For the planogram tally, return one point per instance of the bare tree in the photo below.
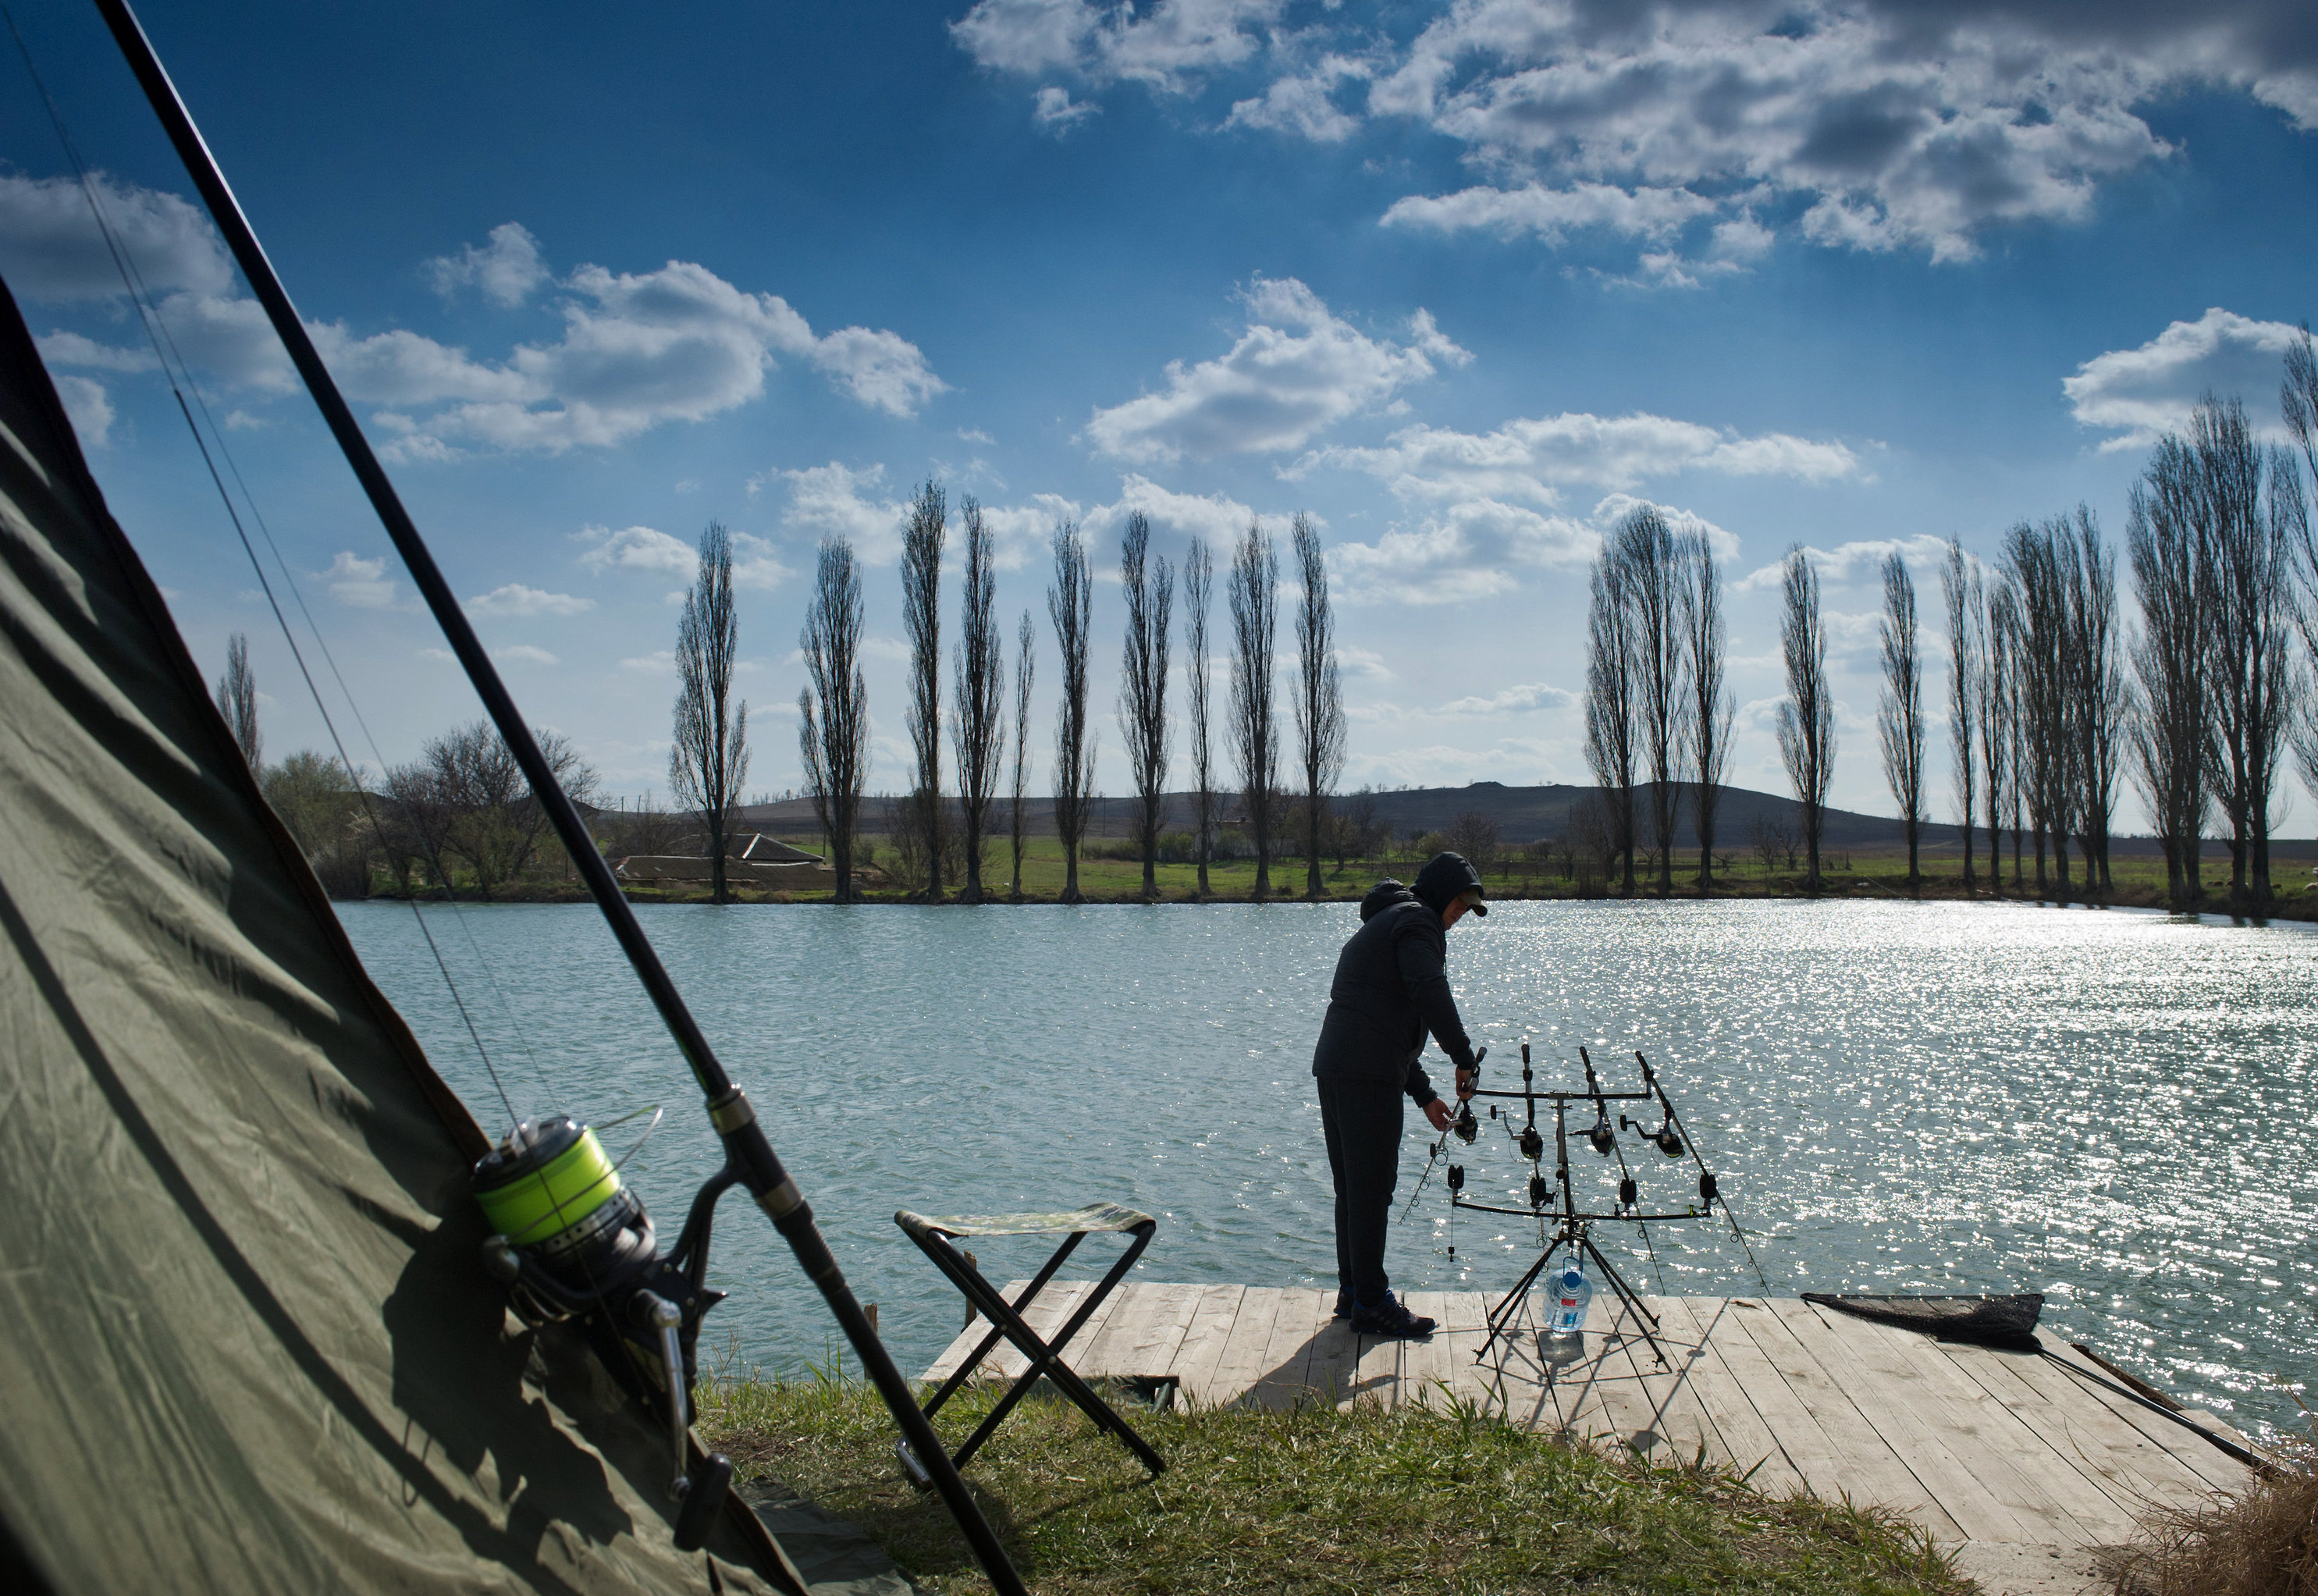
(2252, 607)
(1994, 716)
(1320, 696)
(833, 707)
(2096, 715)
(1966, 605)
(2297, 401)
(1069, 607)
(709, 758)
(1710, 705)
(1254, 584)
(1610, 731)
(1900, 712)
(978, 721)
(1807, 717)
(2008, 634)
(924, 531)
(1026, 671)
(1148, 587)
(237, 700)
(2169, 550)
(1651, 556)
(483, 811)
(2039, 567)
(1198, 583)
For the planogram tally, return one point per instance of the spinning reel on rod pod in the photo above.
(574, 1243)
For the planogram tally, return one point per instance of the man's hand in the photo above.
(1437, 1112)
(1468, 1079)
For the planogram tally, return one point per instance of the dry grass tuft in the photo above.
(2261, 1542)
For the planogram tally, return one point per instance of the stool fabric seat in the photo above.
(1094, 1219)
(935, 1238)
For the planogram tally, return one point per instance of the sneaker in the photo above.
(1390, 1321)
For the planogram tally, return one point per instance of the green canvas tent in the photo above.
(246, 1342)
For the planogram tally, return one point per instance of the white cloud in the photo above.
(525, 653)
(975, 435)
(1654, 213)
(1365, 663)
(1535, 459)
(1297, 369)
(507, 269)
(1053, 110)
(72, 349)
(360, 584)
(440, 656)
(653, 664)
(756, 565)
(1477, 548)
(635, 547)
(1534, 696)
(89, 407)
(515, 600)
(1858, 563)
(50, 250)
(831, 501)
(1167, 44)
(1305, 103)
(2150, 390)
(637, 350)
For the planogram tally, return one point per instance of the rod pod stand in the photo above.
(749, 1156)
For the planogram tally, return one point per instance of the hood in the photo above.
(1383, 896)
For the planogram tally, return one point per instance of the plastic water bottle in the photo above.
(1573, 1294)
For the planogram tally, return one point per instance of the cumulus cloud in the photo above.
(1534, 459)
(1861, 124)
(834, 500)
(89, 407)
(1858, 563)
(51, 252)
(525, 653)
(1053, 110)
(634, 548)
(1535, 696)
(1168, 46)
(637, 349)
(1477, 548)
(2144, 393)
(358, 583)
(1296, 370)
(507, 269)
(516, 600)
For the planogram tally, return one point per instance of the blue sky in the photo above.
(1462, 283)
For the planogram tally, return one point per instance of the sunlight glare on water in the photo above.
(2113, 1107)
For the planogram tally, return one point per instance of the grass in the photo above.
(2261, 1541)
(1312, 1499)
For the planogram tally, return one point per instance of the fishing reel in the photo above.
(572, 1243)
(1666, 1139)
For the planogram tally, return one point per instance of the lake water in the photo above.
(2114, 1108)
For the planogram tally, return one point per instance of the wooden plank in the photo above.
(1425, 1366)
(2051, 1500)
(1140, 1337)
(1885, 1403)
(1468, 1378)
(1336, 1351)
(1202, 1353)
(2201, 1458)
(1053, 1304)
(1059, 1301)
(2031, 1445)
(1678, 1417)
(1748, 1443)
(1288, 1355)
(2132, 1470)
(1815, 1459)
(1865, 1468)
(1241, 1363)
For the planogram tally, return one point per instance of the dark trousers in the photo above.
(1361, 1119)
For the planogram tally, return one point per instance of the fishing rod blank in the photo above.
(749, 1155)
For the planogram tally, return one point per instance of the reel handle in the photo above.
(700, 1492)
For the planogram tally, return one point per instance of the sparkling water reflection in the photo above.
(2113, 1107)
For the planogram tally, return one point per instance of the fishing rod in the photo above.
(749, 1160)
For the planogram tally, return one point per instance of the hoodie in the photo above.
(1391, 987)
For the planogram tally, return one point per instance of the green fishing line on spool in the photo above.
(549, 1188)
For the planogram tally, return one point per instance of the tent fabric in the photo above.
(246, 1341)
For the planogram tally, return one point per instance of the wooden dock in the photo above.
(2007, 1457)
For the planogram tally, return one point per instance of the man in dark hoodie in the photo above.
(1391, 988)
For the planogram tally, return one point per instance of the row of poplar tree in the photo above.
(2051, 697)
(988, 749)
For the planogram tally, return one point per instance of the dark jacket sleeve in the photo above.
(1425, 973)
